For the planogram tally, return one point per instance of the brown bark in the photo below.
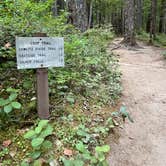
(162, 26)
(71, 7)
(153, 20)
(129, 36)
(139, 14)
(78, 14)
(90, 14)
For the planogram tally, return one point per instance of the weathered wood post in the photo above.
(42, 93)
(42, 88)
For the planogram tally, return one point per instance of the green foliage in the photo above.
(104, 33)
(124, 114)
(88, 66)
(72, 162)
(4, 152)
(86, 157)
(8, 106)
(90, 74)
(160, 39)
(84, 134)
(142, 35)
(100, 154)
(164, 55)
(89, 70)
(38, 137)
(106, 8)
(38, 19)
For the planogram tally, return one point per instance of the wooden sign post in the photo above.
(40, 52)
(42, 89)
(42, 94)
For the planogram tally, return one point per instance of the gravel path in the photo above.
(142, 143)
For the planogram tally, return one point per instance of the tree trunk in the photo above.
(90, 14)
(71, 7)
(139, 14)
(78, 14)
(164, 20)
(153, 20)
(54, 9)
(129, 36)
(58, 5)
(162, 26)
(123, 20)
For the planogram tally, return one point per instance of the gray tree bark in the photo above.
(153, 20)
(90, 14)
(71, 7)
(162, 26)
(129, 36)
(164, 20)
(78, 13)
(139, 14)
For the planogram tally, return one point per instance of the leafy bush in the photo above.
(8, 106)
(88, 68)
(160, 39)
(89, 79)
(86, 157)
(164, 55)
(38, 19)
(38, 139)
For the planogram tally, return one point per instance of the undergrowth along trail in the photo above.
(82, 96)
(144, 83)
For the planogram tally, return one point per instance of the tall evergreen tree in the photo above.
(129, 17)
(138, 14)
(153, 15)
(78, 13)
(162, 25)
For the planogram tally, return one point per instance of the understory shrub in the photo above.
(77, 92)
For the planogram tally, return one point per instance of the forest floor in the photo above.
(142, 143)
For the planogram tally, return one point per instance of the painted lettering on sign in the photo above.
(39, 52)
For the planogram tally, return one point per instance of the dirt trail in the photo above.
(142, 143)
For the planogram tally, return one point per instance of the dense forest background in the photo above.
(128, 17)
